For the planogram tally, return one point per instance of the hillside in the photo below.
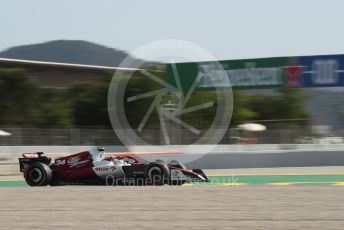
(68, 51)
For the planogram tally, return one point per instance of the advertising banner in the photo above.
(321, 71)
(307, 71)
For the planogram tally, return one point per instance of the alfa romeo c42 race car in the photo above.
(92, 168)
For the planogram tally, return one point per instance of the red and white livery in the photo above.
(93, 168)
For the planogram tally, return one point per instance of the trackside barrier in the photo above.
(221, 156)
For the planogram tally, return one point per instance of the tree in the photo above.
(53, 110)
(18, 97)
(88, 104)
(286, 104)
(24, 103)
(241, 108)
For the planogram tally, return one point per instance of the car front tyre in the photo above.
(157, 173)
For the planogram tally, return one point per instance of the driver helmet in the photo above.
(98, 154)
(101, 152)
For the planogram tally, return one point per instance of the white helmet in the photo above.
(98, 154)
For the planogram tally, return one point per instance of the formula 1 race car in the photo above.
(92, 168)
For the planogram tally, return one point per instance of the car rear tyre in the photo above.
(38, 174)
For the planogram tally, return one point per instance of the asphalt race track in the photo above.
(333, 175)
(207, 207)
(336, 179)
(270, 198)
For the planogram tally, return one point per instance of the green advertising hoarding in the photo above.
(242, 74)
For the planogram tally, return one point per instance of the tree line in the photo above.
(23, 103)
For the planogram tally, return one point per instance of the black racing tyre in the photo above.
(157, 173)
(38, 174)
(164, 165)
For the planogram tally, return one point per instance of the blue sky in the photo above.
(228, 29)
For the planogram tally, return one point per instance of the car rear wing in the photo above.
(29, 158)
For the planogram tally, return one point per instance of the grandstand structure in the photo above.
(62, 75)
